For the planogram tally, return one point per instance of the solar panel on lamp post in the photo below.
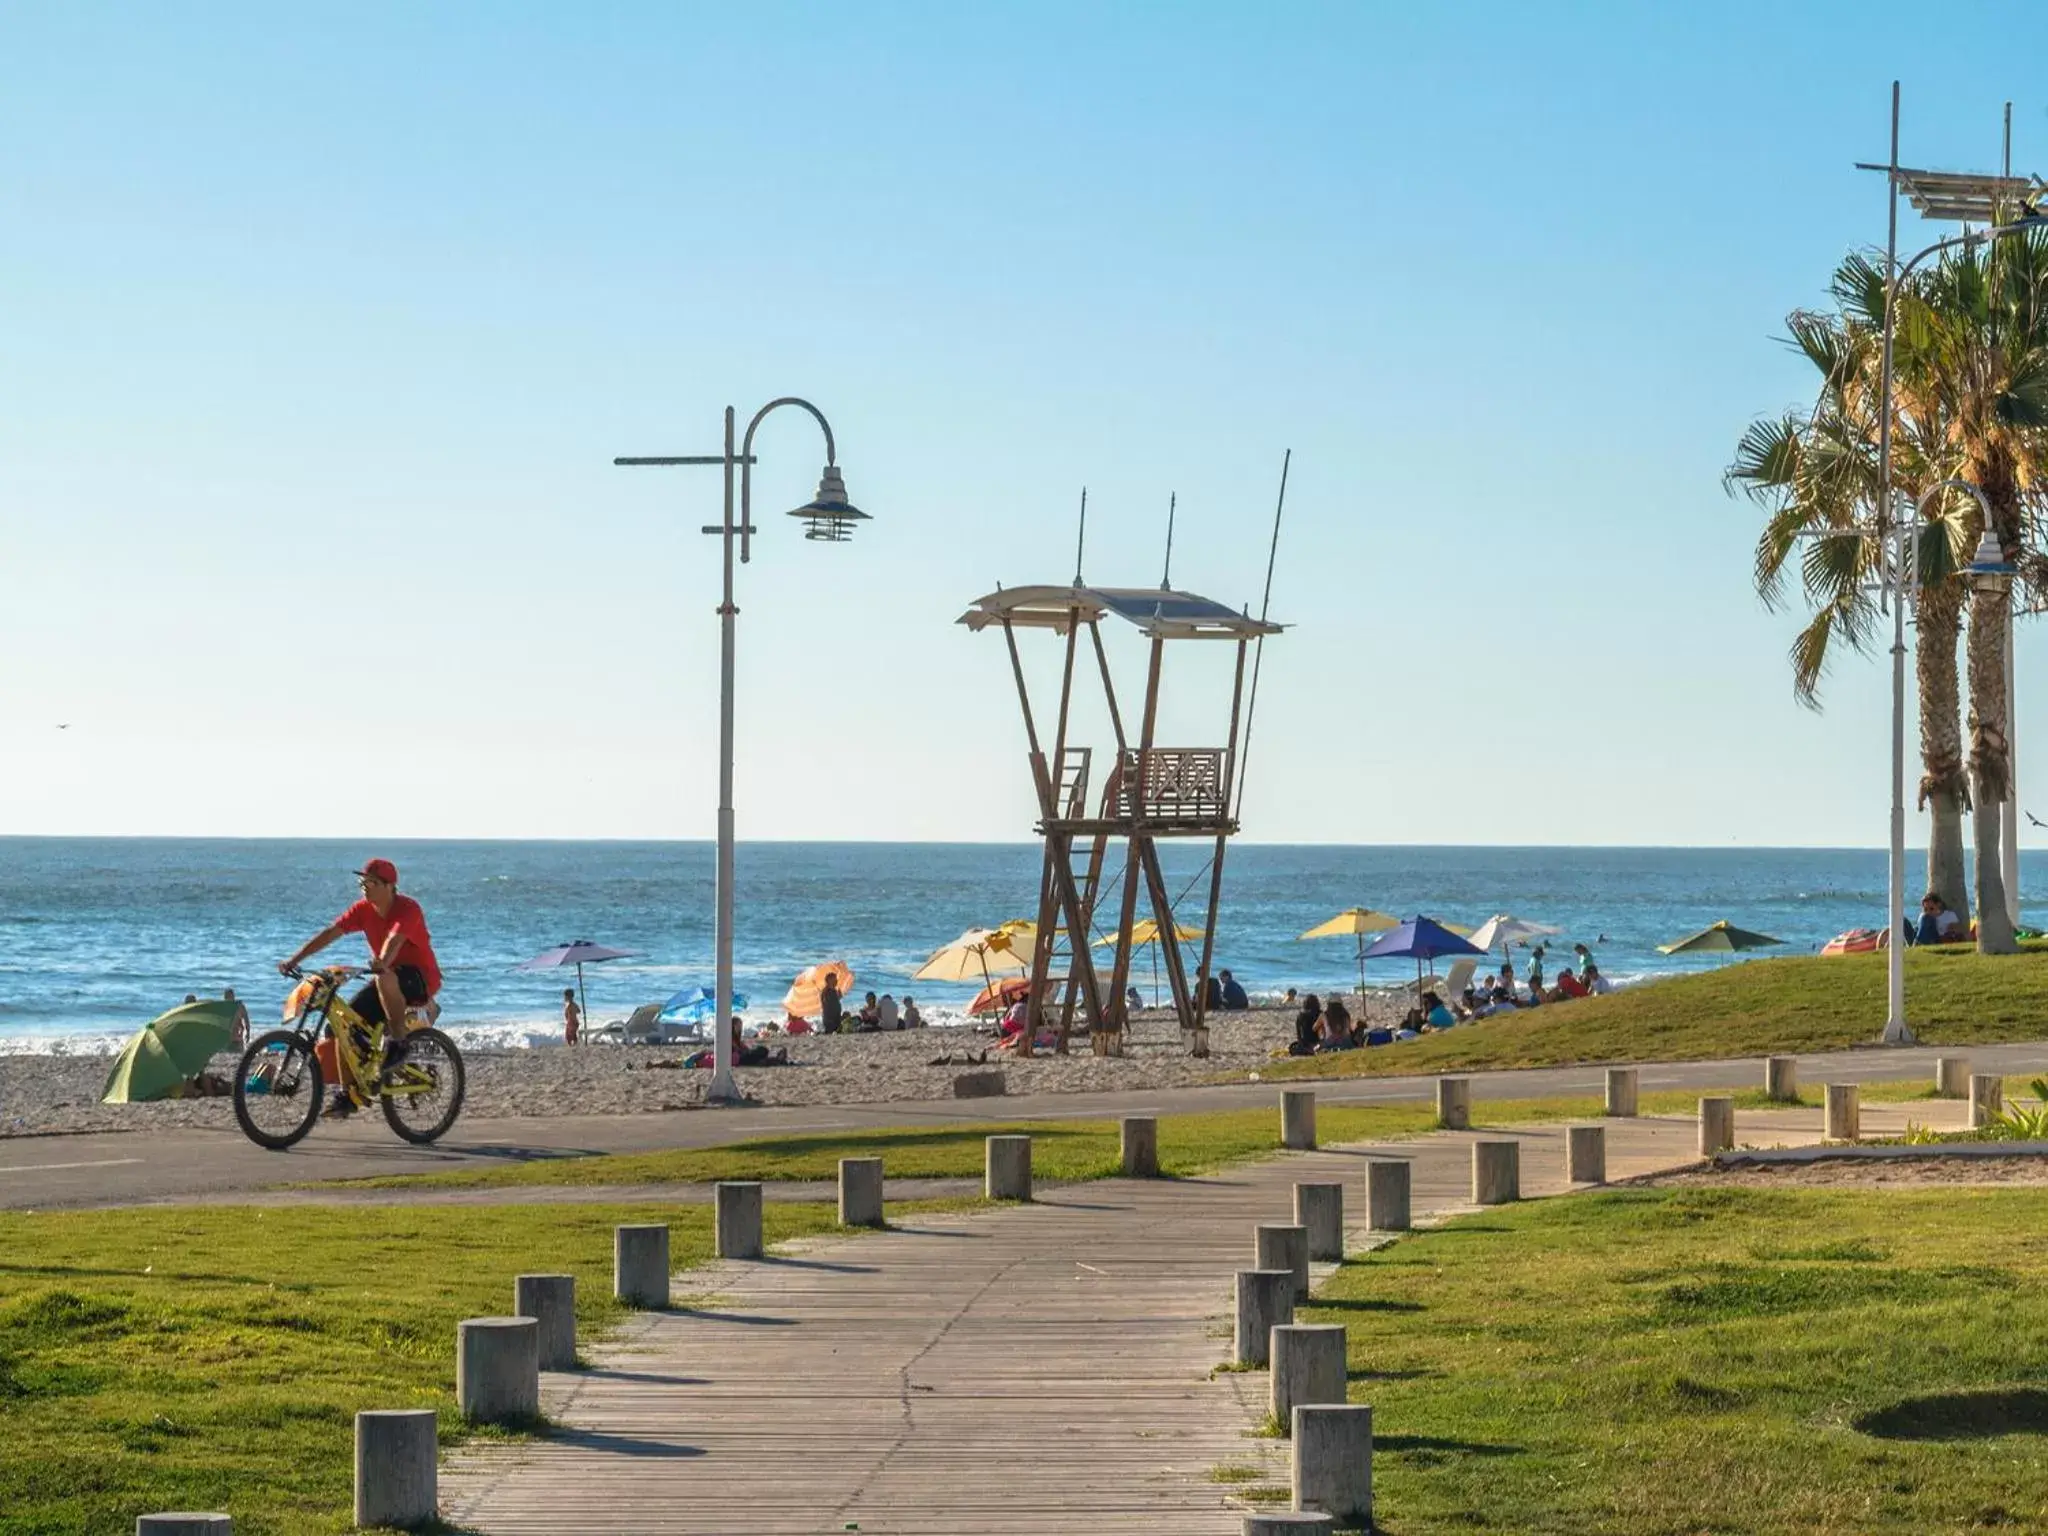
(828, 518)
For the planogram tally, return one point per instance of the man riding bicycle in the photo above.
(402, 966)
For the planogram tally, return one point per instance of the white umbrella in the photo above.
(979, 954)
(1501, 930)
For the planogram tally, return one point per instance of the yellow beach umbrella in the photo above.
(1359, 921)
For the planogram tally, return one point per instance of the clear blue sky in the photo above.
(320, 325)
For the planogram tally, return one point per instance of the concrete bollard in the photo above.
(1141, 1147)
(1319, 1210)
(497, 1369)
(1585, 1154)
(1496, 1172)
(1265, 1301)
(1387, 1183)
(550, 1300)
(185, 1523)
(1987, 1098)
(640, 1266)
(1298, 1119)
(1781, 1079)
(395, 1467)
(1283, 1247)
(1454, 1103)
(1621, 1093)
(1007, 1168)
(1290, 1522)
(1841, 1121)
(1308, 1368)
(1951, 1077)
(1333, 1462)
(738, 1213)
(1717, 1125)
(860, 1192)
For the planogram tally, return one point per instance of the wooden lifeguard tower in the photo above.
(1150, 792)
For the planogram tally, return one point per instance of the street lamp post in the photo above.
(829, 517)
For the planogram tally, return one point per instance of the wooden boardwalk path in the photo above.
(1037, 1369)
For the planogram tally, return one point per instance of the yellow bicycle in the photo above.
(283, 1075)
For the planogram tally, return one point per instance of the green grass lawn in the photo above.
(1189, 1145)
(214, 1357)
(1660, 1362)
(1755, 1008)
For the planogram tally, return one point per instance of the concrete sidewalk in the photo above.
(1038, 1369)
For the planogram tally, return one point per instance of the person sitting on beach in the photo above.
(403, 970)
(886, 1017)
(1015, 1018)
(1938, 924)
(1568, 986)
(1471, 1005)
(912, 1019)
(869, 1019)
(831, 1010)
(796, 1024)
(1596, 984)
(755, 1055)
(1133, 1000)
(1288, 1000)
(1435, 1014)
(1305, 1023)
(1338, 1033)
(1212, 995)
(572, 1016)
(1234, 999)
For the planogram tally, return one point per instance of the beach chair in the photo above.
(1452, 984)
(644, 1027)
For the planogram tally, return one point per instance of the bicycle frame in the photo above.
(318, 997)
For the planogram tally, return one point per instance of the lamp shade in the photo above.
(829, 517)
(1989, 567)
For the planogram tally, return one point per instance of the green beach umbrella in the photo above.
(1722, 936)
(170, 1049)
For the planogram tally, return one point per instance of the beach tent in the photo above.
(805, 994)
(1502, 929)
(169, 1050)
(1358, 921)
(578, 954)
(1723, 936)
(1420, 938)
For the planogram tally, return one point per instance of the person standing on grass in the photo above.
(572, 1016)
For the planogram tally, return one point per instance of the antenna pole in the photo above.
(1081, 539)
(1166, 576)
(1251, 707)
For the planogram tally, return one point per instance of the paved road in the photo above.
(1034, 1371)
(124, 1168)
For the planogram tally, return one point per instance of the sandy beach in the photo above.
(42, 1095)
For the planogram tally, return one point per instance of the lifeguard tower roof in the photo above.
(1158, 612)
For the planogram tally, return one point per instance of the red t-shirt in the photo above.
(410, 921)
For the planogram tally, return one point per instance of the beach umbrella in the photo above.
(578, 954)
(1420, 938)
(1501, 930)
(998, 996)
(694, 1005)
(1358, 921)
(170, 1049)
(979, 954)
(804, 994)
(1147, 932)
(1722, 937)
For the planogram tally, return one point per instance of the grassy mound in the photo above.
(1804, 1003)
(1755, 1360)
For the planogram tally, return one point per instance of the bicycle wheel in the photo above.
(424, 1094)
(277, 1089)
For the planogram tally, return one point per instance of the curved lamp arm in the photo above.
(747, 462)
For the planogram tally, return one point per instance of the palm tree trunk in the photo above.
(1944, 785)
(1990, 760)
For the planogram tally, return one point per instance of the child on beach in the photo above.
(572, 1016)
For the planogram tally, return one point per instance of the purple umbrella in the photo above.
(1422, 938)
(579, 954)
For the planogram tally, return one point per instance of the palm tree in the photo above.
(1971, 367)
(1817, 473)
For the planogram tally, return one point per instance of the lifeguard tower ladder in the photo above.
(1150, 792)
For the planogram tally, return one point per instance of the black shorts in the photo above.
(412, 984)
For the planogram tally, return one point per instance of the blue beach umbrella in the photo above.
(694, 1005)
(1421, 938)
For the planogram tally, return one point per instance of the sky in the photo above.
(321, 325)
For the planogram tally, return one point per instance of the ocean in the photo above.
(98, 935)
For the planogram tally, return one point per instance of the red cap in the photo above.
(380, 869)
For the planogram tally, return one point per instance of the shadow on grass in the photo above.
(1391, 1375)
(1959, 1416)
(1434, 1445)
(1363, 1304)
